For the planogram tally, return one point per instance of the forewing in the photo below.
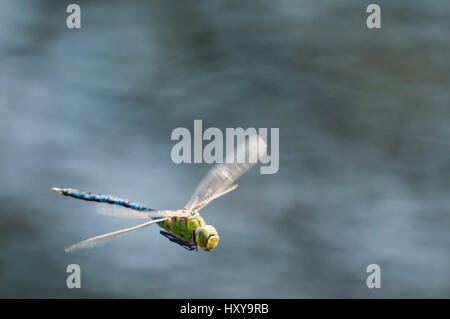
(218, 181)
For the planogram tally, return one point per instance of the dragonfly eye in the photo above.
(207, 237)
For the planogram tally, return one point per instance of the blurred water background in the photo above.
(364, 145)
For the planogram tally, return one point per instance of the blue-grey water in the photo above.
(364, 146)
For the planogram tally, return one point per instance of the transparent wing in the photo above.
(118, 211)
(104, 239)
(219, 180)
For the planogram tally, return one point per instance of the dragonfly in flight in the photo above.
(184, 226)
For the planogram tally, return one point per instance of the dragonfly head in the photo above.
(207, 237)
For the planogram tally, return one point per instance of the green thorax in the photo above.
(183, 227)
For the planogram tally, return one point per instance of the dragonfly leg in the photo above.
(186, 245)
(195, 242)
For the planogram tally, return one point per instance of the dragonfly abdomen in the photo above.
(101, 198)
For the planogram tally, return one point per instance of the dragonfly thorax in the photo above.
(191, 229)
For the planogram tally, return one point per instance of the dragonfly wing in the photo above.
(219, 180)
(202, 204)
(228, 190)
(118, 211)
(104, 239)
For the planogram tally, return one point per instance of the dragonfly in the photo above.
(185, 226)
